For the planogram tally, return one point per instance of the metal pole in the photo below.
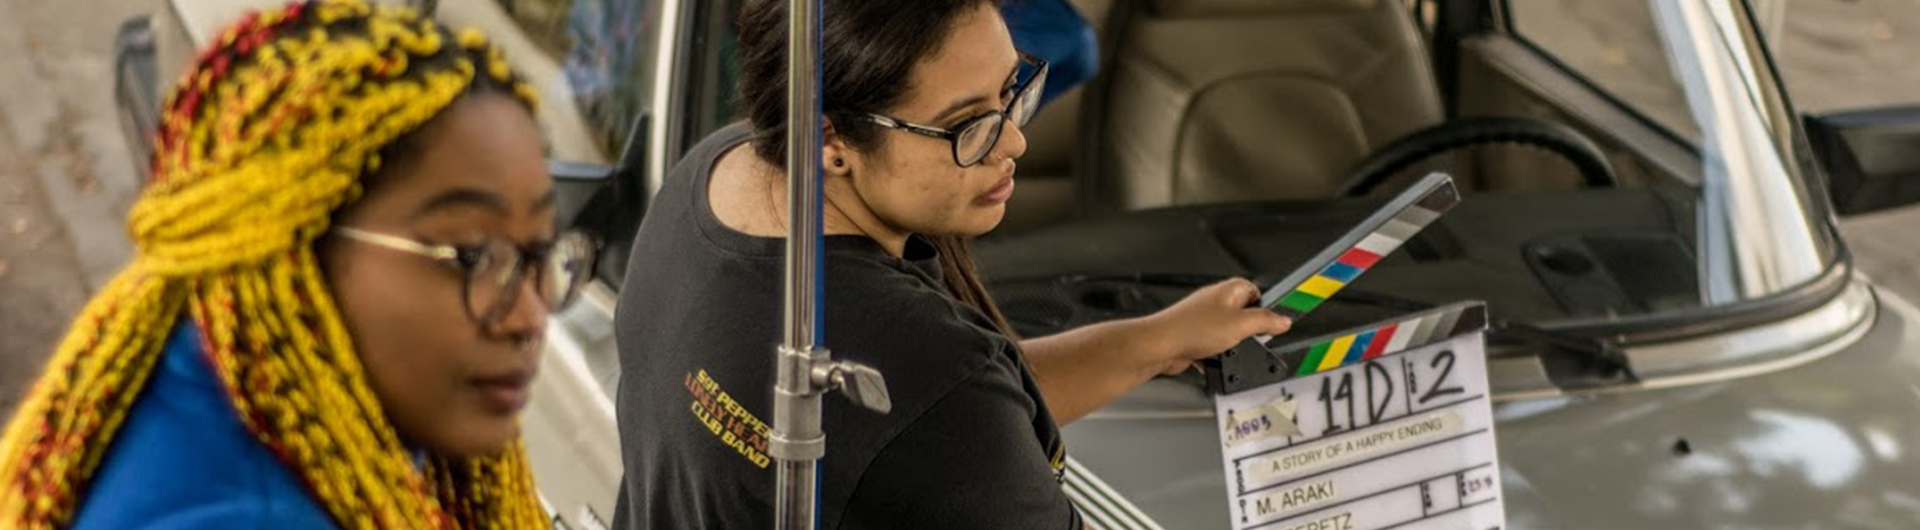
(803, 169)
(804, 371)
(797, 443)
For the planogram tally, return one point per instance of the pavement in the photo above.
(66, 177)
(1850, 54)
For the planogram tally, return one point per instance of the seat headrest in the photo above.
(1233, 8)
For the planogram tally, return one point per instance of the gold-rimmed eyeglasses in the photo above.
(494, 269)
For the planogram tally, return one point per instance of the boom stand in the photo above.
(804, 370)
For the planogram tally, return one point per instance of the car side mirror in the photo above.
(1871, 157)
(577, 185)
(574, 183)
(606, 202)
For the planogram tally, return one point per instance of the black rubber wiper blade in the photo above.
(1571, 360)
(1573, 356)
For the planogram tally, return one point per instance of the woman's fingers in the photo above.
(1214, 318)
(1260, 321)
(1237, 292)
(1241, 295)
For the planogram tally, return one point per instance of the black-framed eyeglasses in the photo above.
(975, 138)
(494, 269)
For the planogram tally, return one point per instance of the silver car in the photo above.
(1679, 337)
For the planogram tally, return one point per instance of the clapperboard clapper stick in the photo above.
(1310, 285)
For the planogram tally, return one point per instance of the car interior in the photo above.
(1232, 138)
(1225, 137)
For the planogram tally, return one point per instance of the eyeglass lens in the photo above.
(978, 138)
(494, 282)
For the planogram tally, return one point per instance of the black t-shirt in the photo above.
(969, 443)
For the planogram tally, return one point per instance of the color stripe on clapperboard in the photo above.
(1356, 260)
(1351, 349)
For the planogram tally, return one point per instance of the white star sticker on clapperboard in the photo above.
(1285, 407)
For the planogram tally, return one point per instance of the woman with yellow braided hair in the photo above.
(343, 270)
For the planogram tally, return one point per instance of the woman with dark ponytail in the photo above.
(923, 104)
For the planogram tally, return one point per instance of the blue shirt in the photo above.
(1053, 30)
(183, 460)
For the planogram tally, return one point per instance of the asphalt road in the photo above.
(66, 178)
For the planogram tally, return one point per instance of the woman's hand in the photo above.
(1209, 321)
(1085, 368)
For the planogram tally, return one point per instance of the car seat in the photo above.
(1207, 101)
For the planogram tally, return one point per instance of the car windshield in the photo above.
(1693, 68)
(1706, 205)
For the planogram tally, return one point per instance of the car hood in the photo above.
(1822, 444)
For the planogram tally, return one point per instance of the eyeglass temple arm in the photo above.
(397, 243)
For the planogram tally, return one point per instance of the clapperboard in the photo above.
(1389, 427)
(1386, 425)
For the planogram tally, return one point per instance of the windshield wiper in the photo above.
(1571, 360)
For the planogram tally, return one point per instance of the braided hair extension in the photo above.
(269, 134)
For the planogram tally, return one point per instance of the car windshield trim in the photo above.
(1756, 235)
(1709, 320)
(1761, 232)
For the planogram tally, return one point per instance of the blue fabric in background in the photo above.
(183, 460)
(1053, 30)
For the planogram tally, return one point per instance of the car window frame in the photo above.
(1706, 320)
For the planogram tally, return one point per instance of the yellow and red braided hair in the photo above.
(268, 136)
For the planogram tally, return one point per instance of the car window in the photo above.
(607, 44)
(1617, 47)
(1732, 220)
(713, 71)
(591, 61)
(1740, 222)
(584, 57)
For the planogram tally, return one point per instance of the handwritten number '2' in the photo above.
(1440, 386)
